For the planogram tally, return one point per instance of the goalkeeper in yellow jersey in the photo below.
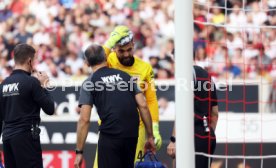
(119, 49)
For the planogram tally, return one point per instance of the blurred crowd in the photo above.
(237, 42)
(240, 39)
(58, 29)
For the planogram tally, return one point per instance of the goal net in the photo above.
(235, 40)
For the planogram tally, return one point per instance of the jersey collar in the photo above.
(16, 71)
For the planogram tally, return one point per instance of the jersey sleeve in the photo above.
(150, 94)
(42, 97)
(85, 95)
(133, 86)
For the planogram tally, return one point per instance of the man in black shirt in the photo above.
(21, 98)
(206, 116)
(116, 97)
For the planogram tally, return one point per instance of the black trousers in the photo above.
(204, 142)
(22, 151)
(116, 152)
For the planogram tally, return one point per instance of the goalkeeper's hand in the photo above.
(157, 136)
(116, 35)
(149, 145)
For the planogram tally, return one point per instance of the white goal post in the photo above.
(183, 72)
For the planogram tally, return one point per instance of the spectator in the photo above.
(272, 69)
(218, 16)
(32, 26)
(263, 60)
(22, 36)
(201, 58)
(150, 49)
(238, 59)
(253, 69)
(154, 63)
(234, 70)
(166, 107)
(236, 17)
(163, 74)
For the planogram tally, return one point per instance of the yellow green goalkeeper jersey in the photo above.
(144, 74)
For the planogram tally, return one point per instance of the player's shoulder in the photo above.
(25, 78)
(141, 63)
(196, 67)
(28, 81)
(33, 80)
(4, 81)
(89, 77)
(200, 71)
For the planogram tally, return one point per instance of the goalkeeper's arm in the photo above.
(150, 94)
(152, 102)
(146, 118)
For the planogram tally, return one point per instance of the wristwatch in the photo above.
(77, 151)
(172, 139)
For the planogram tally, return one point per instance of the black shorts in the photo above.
(116, 152)
(205, 142)
(22, 151)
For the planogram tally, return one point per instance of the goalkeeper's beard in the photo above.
(127, 61)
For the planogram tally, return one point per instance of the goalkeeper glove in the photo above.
(116, 35)
(157, 136)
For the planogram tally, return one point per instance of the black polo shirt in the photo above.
(21, 97)
(113, 93)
